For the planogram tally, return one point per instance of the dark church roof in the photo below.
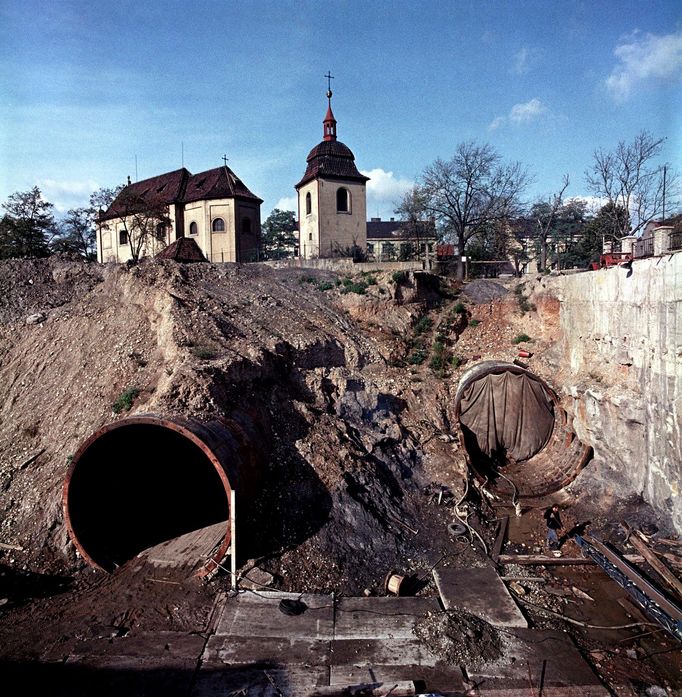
(184, 249)
(220, 182)
(399, 230)
(179, 186)
(331, 159)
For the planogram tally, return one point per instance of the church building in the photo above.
(332, 206)
(214, 208)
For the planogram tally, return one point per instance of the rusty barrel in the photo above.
(146, 479)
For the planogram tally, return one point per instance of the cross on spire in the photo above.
(329, 77)
(225, 158)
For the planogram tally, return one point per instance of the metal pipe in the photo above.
(145, 479)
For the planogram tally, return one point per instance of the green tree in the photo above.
(471, 190)
(76, 233)
(27, 226)
(606, 225)
(279, 234)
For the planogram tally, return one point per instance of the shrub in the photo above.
(520, 338)
(423, 325)
(417, 357)
(455, 361)
(474, 323)
(325, 285)
(306, 279)
(436, 362)
(438, 347)
(347, 282)
(205, 353)
(371, 280)
(460, 308)
(125, 400)
(360, 287)
(399, 277)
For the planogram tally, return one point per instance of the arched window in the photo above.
(342, 200)
(308, 204)
(193, 229)
(218, 225)
(246, 226)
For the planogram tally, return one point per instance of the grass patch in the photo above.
(474, 323)
(455, 361)
(125, 400)
(204, 352)
(522, 299)
(399, 277)
(460, 308)
(325, 285)
(521, 338)
(307, 279)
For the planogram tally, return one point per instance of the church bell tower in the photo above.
(332, 203)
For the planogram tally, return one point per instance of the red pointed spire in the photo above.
(329, 120)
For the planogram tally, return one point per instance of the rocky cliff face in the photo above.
(619, 359)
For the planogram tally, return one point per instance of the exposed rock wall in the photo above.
(619, 359)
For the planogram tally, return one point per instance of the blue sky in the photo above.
(88, 87)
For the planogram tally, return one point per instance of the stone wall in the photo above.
(345, 265)
(619, 359)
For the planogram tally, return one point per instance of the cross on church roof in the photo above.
(225, 158)
(329, 77)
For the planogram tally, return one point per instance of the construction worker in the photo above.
(554, 524)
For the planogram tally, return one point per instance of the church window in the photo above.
(193, 229)
(246, 226)
(218, 225)
(310, 236)
(160, 231)
(123, 236)
(308, 204)
(342, 200)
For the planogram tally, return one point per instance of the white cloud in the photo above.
(384, 190)
(644, 58)
(65, 194)
(528, 111)
(288, 203)
(521, 113)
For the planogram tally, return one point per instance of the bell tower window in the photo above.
(342, 200)
(308, 204)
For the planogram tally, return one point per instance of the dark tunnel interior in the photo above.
(139, 485)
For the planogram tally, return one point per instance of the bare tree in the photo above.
(544, 212)
(469, 191)
(628, 179)
(144, 222)
(411, 208)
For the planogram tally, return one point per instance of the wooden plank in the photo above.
(499, 540)
(531, 559)
(480, 591)
(661, 569)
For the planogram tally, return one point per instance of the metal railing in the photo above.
(675, 240)
(643, 248)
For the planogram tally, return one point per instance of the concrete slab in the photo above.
(381, 618)
(258, 615)
(481, 592)
(556, 667)
(268, 679)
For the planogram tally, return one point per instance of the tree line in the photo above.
(475, 199)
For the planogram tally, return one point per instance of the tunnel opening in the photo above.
(516, 435)
(136, 484)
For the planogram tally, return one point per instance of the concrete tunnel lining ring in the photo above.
(187, 429)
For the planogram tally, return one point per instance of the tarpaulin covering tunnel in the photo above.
(512, 424)
(147, 479)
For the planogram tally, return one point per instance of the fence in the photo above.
(643, 248)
